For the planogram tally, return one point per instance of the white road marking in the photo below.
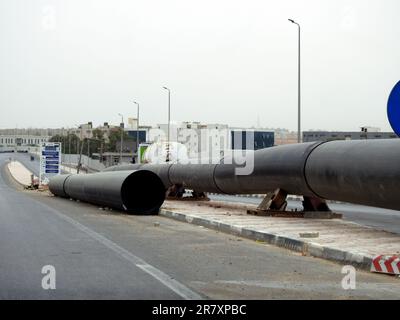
(169, 282)
(177, 287)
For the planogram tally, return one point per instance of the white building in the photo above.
(14, 143)
(200, 140)
(207, 142)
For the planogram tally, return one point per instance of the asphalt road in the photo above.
(109, 255)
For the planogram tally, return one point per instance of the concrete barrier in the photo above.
(20, 173)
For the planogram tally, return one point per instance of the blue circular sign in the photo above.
(393, 109)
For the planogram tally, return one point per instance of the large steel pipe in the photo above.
(57, 185)
(278, 167)
(199, 177)
(269, 169)
(360, 171)
(140, 192)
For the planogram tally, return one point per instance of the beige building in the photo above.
(283, 136)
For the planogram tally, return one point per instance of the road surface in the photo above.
(108, 255)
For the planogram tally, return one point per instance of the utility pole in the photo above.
(101, 151)
(88, 152)
(69, 151)
(298, 84)
(122, 138)
(80, 159)
(169, 122)
(137, 131)
(79, 143)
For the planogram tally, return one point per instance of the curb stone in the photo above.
(306, 248)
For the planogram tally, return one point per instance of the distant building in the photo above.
(212, 140)
(284, 136)
(365, 133)
(85, 131)
(251, 139)
(20, 142)
(143, 136)
(198, 138)
(49, 132)
(370, 129)
(113, 158)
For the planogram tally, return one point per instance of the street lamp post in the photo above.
(69, 151)
(80, 144)
(137, 130)
(88, 152)
(298, 92)
(122, 138)
(169, 121)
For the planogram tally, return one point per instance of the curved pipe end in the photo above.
(142, 192)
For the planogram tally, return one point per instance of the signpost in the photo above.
(50, 161)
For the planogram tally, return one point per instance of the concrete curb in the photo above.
(11, 176)
(261, 196)
(306, 248)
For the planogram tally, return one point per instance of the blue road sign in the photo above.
(54, 167)
(50, 161)
(51, 171)
(50, 153)
(50, 147)
(393, 109)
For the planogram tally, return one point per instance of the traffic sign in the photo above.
(393, 109)
(50, 161)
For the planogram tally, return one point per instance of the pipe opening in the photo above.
(142, 192)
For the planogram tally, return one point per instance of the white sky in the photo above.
(66, 62)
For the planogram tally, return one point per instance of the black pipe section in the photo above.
(365, 172)
(272, 168)
(139, 192)
(161, 170)
(359, 171)
(57, 185)
(277, 167)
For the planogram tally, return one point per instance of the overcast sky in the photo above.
(66, 62)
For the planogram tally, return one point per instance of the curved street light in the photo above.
(298, 92)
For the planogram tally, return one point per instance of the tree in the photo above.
(69, 143)
(92, 145)
(98, 134)
(114, 137)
